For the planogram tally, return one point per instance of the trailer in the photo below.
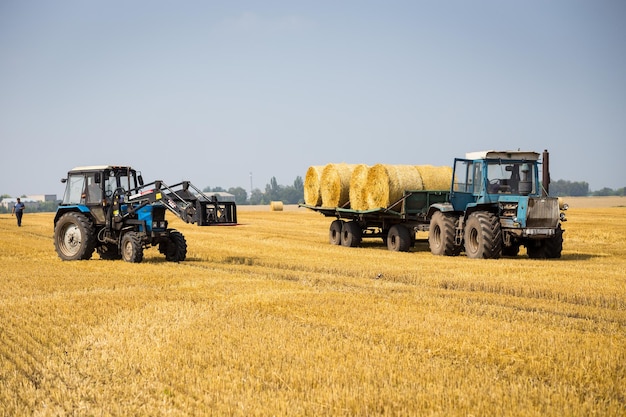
(496, 203)
(396, 224)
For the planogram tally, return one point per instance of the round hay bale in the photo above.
(312, 194)
(358, 185)
(276, 206)
(386, 183)
(435, 178)
(335, 184)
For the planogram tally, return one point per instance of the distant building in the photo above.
(29, 201)
(221, 195)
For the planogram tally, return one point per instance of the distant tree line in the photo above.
(288, 194)
(563, 188)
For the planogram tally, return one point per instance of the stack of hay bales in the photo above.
(370, 187)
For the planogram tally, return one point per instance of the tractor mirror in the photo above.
(63, 180)
(97, 178)
(140, 179)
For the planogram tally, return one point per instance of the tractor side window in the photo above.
(477, 178)
(74, 189)
(462, 177)
(93, 191)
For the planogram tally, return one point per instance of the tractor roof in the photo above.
(98, 168)
(523, 155)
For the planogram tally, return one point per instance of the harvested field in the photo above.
(267, 318)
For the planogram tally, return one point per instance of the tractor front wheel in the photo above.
(175, 247)
(74, 237)
(132, 249)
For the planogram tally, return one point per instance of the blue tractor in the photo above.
(110, 210)
(497, 204)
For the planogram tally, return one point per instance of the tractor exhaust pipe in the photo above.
(545, 181)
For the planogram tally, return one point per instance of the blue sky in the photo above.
(213, 91)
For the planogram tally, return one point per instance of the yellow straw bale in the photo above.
(335, 184)
(312, 194)
(435, 178)
(358, 185)
(276, 206)
(386, 183)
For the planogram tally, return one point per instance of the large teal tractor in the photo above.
(497, 203)
(110, 210)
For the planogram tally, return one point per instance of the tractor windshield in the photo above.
(119, 178)
(510, 177)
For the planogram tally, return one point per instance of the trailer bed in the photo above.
(413, 205)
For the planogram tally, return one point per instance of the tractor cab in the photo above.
(97, 187)
(91, 185)
(485, 177)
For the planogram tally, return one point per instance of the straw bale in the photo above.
(276, 206)
(335, 184)
(386, 183)
(358, 185)
(435, 177)
(312, 194)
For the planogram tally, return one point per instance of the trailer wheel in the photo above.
(483, 236)
(132, 250)
(334, 235)
(441, 235)
(399, 239)
(351, 234)
(74, 237)
(175, 247)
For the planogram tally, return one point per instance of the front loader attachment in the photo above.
(192, 207)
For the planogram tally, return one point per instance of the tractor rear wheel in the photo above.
(441, 235)
(132, 249)
(483, 236)
(399, 239)
(334, 235)
(351, 234)
(175, 247)
(74, 237)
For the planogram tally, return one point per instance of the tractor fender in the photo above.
(81, 208)
(472, 208)
(443, 207)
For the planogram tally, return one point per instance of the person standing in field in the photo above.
(18, 210)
